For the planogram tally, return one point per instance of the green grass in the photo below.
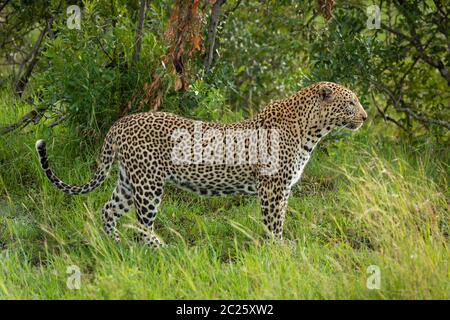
(372, 200)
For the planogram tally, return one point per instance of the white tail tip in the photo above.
(40, 144)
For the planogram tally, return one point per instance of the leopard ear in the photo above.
(325, 93)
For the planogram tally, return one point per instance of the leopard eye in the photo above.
(350, 108)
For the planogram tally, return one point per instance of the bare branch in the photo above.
(111, 59)
(437, 63)
(57, 121)
(382, 113)
(4, 5)
(26, 119)
(396, 32)
(414, 40)
(23, 80)
(422, 119)
(399, 84)
(400, 106)
(230, 11)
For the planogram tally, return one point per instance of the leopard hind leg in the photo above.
(120, 203)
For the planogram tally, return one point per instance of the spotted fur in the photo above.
(143, 143)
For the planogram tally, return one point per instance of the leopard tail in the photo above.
(107, 158)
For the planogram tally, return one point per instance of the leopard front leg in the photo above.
(273, 196)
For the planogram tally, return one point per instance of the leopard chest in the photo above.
(297, 168)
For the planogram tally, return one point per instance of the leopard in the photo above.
(264, 155)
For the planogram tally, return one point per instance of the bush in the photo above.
(88, 74)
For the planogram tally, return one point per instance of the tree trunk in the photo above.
(138, 39)
(212, 31)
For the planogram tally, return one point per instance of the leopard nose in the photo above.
(363, 114)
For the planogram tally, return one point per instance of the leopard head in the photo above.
(337, 106)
